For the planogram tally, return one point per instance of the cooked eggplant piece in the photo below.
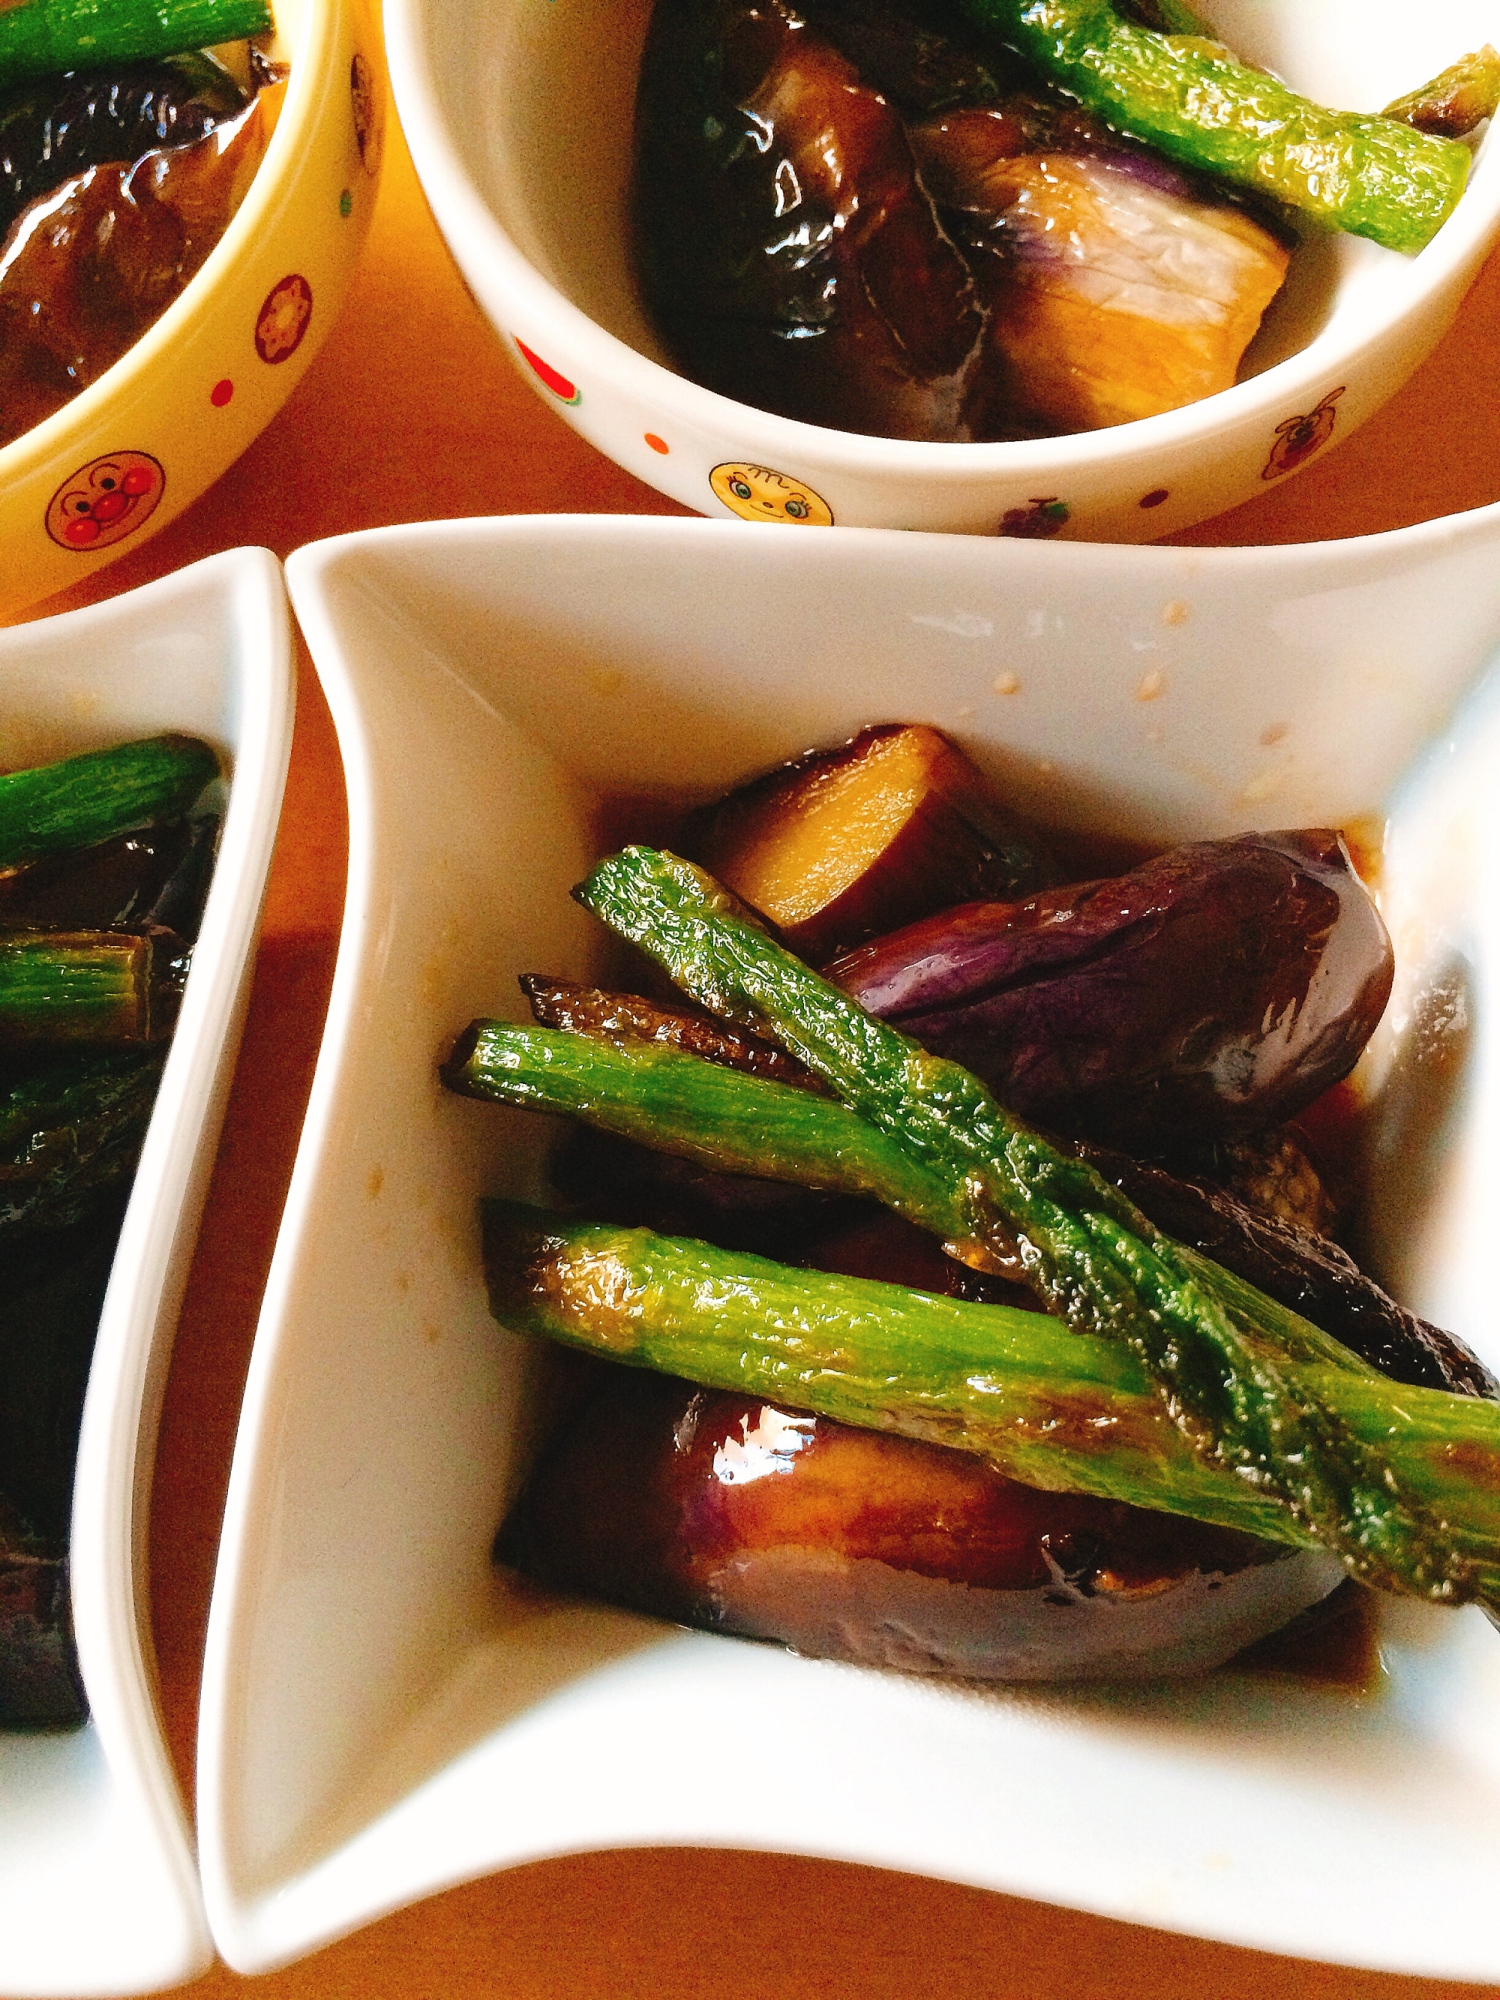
(844, 843)
(180, 901)
(923, 62)
(91, 265)
(725, 1512)
(1309, 1273)
(56, 126)
(67, 1131)
(637, 1186)
(1274, 1174)
(789, 254)
(870, 1242)
(52, 1287)
(1216, 989)
(116, 882)
(774, 185)
(624, 1018)
(40, 1685)
(1118, 287)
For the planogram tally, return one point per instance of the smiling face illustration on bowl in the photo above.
(758, 493)
(106, 500)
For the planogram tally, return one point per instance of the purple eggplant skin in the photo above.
(116, 882)
(739, 1516)
(1309, 1273)
(54, 127)
(1214, 990)
(788, 252)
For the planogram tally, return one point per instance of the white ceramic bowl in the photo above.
(97, 1881)
(381, 1717)
(520, 120)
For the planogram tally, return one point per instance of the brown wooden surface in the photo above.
(412, 411)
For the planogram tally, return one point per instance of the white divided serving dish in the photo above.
(382, 1716)
(97, 1877)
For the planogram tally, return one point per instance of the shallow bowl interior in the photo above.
(97, 1876)
(521, 122)
(382, 1715)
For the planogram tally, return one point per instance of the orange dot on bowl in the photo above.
(220, 393)
(657, 444)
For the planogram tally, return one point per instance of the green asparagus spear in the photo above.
(1455, 102)
(1219, 1352)
(681, 1104)
(46, 37)
(104, 792)
(1367, 174)
(87, 986)
(677, 1102)
(1046, 1406)
(69, 1130)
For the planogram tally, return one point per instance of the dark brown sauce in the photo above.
(1332, 1644)
(636, 819)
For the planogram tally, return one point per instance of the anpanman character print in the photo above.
(758, 493)
(1299, 437)
(105, 500)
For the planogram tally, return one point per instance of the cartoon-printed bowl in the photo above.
(141, 443)
(97, 1878)
(383, 1715)
(521, 121)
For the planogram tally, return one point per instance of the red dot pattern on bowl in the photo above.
(657, 444)
(548, 376)
(1155, 497)
(220, 393)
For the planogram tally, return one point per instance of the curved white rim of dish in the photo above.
(128, 1375)
(478, 241)
(261, 1928)
(265, 198)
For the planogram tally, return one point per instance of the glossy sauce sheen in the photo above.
(741, 1516)
(791, 256)
(95, 260)
(54, 127)
(1218, 988)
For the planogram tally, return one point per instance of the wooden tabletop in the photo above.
(413, 411)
